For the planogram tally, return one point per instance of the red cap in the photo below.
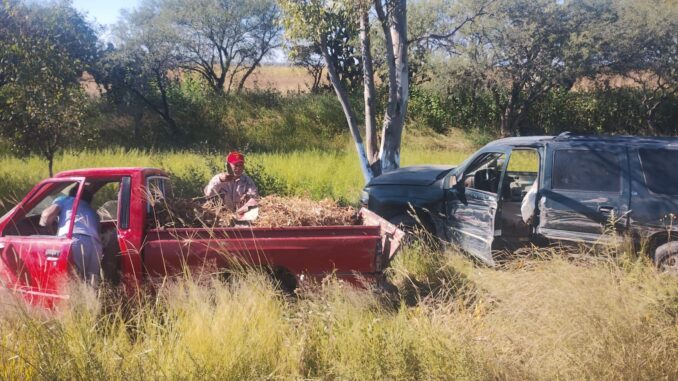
(235, 157)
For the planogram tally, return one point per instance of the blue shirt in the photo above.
(86, 219)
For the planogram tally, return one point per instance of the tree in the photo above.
(44, 51)
(224, 41)
(644, 48)
(434, 27)
(309, 58)
(342, 49)
(528, 47)
(144, 62)
(315, 20)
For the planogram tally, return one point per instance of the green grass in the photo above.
(313, 173)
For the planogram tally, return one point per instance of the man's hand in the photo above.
(251, 203)
(226, 177)
(49, 215)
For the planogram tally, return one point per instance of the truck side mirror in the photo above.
(450, 182)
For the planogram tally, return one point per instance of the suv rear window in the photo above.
(659, 169)
(584, 170)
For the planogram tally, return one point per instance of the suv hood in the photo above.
(414, 175)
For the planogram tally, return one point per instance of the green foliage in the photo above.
(428, 108)
(600, 111)
(43, 52)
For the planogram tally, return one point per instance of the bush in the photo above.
(596, 111)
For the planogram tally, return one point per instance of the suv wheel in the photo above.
(666, 257)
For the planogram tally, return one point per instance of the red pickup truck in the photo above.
(34, 261)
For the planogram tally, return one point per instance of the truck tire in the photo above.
(284, 280)
(666, 257)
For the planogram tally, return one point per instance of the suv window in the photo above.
(659, 170)
(484, 173)
(586, 170)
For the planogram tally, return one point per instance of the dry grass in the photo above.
(613, 319)
(275, 211)
(281, 78)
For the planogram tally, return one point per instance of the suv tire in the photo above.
(666, 257)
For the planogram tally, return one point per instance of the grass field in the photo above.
(544, 315)
(542, 318)
(314, 173)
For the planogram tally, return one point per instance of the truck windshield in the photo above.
(659, 170)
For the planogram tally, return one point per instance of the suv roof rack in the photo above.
(564, 135)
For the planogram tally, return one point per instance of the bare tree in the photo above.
(224, 41)
(145, 62)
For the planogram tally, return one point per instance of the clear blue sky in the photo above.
(103, 12)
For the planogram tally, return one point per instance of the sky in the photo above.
(103, 12)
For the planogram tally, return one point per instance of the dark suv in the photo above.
(588, 186)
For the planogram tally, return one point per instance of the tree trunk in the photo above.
(370, 96)
(398, 86)
(138, 118)
(508, 116)
(351, 119)
(50, 164)
(165, 113)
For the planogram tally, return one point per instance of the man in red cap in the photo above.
(235, 188)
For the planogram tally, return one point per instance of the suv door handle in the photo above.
(605, 209)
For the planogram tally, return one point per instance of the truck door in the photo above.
(34, 260)
(585, 192)
(471, 205)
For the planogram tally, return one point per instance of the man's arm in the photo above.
(211, 187)
(252, 191)
(49, 215)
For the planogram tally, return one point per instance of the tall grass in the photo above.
(541, 317)
(551, 319)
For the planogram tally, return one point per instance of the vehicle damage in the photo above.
(586, 189)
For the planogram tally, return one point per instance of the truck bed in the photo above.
(304, 250)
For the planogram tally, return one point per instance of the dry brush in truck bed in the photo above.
(274, 211)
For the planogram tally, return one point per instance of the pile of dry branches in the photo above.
(274, 211)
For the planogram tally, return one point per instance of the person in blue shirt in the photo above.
(86, 248)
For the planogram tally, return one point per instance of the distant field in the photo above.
(281, 78)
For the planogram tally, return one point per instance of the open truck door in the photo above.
(34, 260)
(471, 202)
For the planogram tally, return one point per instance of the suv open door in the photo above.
(471, 204)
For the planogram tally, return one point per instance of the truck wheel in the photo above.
(284, 280)
(666, 257)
